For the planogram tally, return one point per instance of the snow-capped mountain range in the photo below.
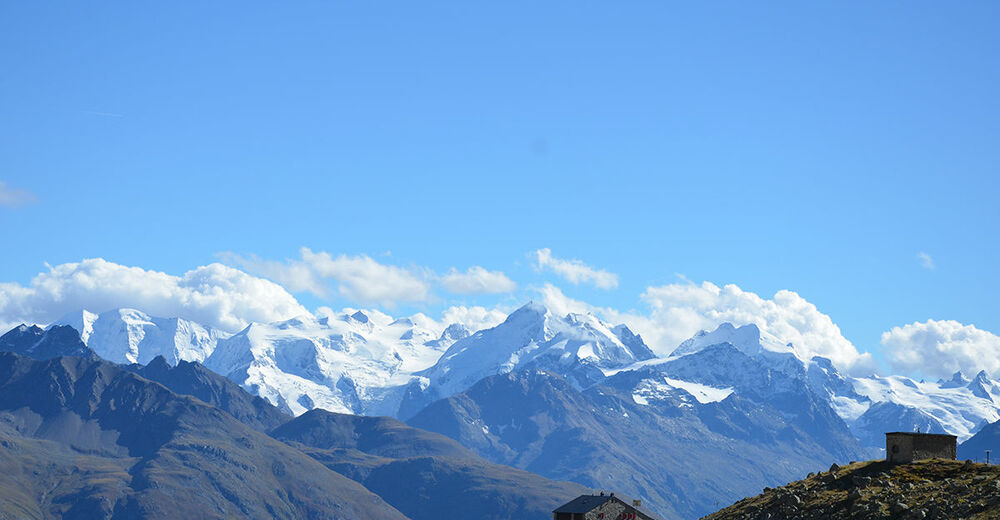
(367, 362)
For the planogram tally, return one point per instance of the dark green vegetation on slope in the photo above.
(934, 489)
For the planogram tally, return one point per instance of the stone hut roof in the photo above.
(583, 503)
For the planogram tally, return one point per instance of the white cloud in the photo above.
(575, 271)
(925, 260)
(14, 197)
(359, 278)
(685, 309)
(362, 279)
(477, 280)
(214, 295)
(475, 318)
(940, 348)
(678, 311)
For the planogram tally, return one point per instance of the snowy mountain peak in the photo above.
(131, 336)
(579, 347)
(957, 379)
(360, 317)
(82, 320)
(455, 332)
(748, 339)
(745, 338)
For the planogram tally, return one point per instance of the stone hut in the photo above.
(903, 447)
(598, 507)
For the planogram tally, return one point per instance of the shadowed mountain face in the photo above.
(975, 448)
(39, 343)
(195, 380)
(679, 455)
(95, 426)
(423, 474)
(115, 445)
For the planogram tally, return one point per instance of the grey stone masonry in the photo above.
(598, 507)
(904, 447)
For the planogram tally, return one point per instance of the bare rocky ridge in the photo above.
(69, 450)
(931, 489)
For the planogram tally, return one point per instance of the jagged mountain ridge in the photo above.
(579, 347)
(680, 452)
(149, 453)
(132, 336)
(869, 405)
(377, 452)
(396, 367)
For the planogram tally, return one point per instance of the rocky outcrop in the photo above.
(879, 490)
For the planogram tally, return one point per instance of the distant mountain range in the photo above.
(565, 397)
(155, 441)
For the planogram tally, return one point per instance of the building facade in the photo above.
(598, 507)
(903, 447)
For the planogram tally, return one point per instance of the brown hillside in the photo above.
(932, 489)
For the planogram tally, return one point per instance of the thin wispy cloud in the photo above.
(925, 260)
(14, 197)
(477, 280)
(574, 271)
(362, 279)
(101, 114)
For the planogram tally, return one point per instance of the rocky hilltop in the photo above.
(932, 489)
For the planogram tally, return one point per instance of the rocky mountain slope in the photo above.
(370, 363)
(81, 438)
(681, 451)
(423, 474)
(578, 347)
(869, 405)
(377, 452)
(39, 343)
(933, 489)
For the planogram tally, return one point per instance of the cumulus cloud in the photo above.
(214, 295)
(574, 271)
(477, 280)
(687, 308)
(475, 317)
(678, 311)
(14, 197)
(360, 278)
(925, 260)
(940, 348)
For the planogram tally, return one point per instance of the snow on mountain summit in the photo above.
(749, 339)
(576, 346)
(353, 362)
(132, 336)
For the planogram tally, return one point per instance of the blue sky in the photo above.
(784, 145)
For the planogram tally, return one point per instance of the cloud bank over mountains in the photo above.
(940, 348)
(362, 279)
(229, 298)
(214, 294)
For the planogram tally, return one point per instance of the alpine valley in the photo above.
(363, 415)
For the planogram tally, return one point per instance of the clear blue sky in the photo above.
(774, 145)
